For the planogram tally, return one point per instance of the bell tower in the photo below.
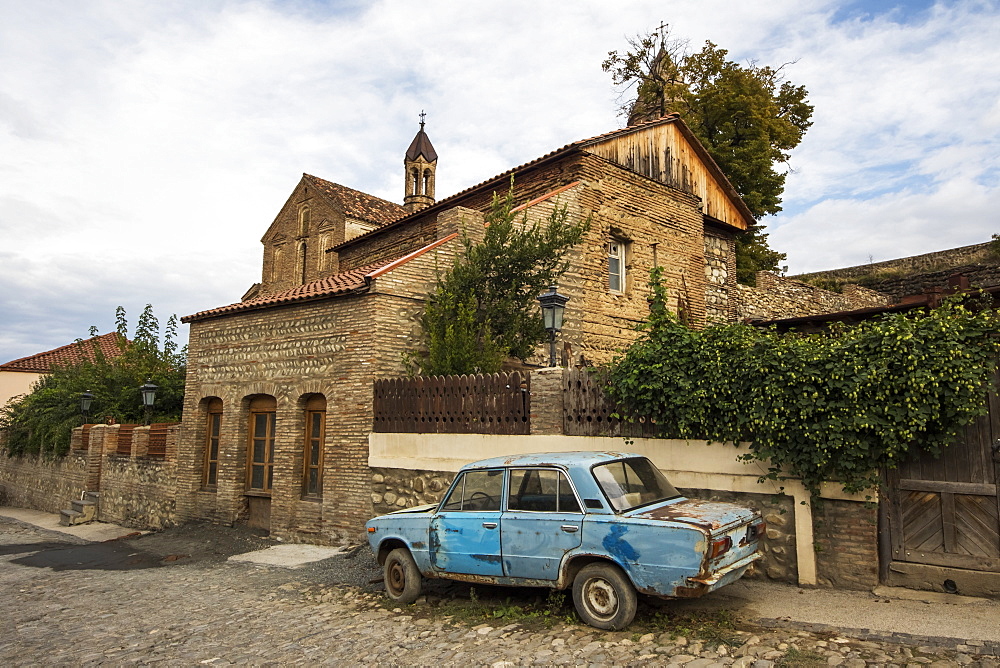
(420, 164)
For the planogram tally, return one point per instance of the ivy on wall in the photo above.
(833, 406)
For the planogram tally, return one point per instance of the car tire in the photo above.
(402, 578)
(604, 597)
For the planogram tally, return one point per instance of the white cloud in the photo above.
(146, 147)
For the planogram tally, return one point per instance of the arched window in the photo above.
(415, 181)
(213, 430)
(313, 442)
(303, 221)
(302, 263)
(427, 182)
(276, 263)
(260, 443)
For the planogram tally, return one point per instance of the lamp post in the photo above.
(553, 308)
(86, 398)
(148, 397)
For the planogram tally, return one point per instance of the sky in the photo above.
(145, 147)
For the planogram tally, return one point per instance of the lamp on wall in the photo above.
(553, 308)
(86, 398)
(148, 397)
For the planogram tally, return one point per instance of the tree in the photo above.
(41, 422)
(484, 309)
(747, 117)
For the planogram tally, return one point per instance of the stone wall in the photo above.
(846, 544)
(393, 489)
(720, 269)
(915, 264)
(979, 276)
(138, 492)
(778, 297)
(43, 484)
(134, 490)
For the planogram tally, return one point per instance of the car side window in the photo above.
(476, 491)
(541, 490)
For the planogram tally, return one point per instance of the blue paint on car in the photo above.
(616, 545)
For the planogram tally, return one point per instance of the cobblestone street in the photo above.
(179, 609)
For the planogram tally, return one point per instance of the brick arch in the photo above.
(263, 387)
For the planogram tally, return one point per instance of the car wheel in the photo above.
(604, 597)
(402, 579)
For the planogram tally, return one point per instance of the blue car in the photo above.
(607, 524)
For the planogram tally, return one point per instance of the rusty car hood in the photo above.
(711, 516)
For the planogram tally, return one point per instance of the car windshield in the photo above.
(629, 483)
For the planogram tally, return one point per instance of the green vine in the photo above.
(835, 406)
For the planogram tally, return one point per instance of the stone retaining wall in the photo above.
(135, 490)
(43, 484)
(779, 297)
(138, 492)
(915, 264)
(393, 489)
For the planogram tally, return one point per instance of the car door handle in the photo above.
(570, 528)
(489, 525)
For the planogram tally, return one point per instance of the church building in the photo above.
(278, 400)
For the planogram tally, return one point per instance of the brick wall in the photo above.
(846, 543)
(657, 223)
(282, 266)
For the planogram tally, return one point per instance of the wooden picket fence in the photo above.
(587, 411)
(476, 404)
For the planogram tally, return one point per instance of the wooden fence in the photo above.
(125, 439)
(480, 404)
(158, 439)
(587, 411)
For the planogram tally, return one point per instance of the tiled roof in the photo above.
(552, 155)
(344, 282)
(421, 145)
(358, 204)
(69, 354)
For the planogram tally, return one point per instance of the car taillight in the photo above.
(755, 531)
(720, 547)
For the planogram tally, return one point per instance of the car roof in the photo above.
(579, 459)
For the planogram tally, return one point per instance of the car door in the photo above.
(465, 532)
(542, 522)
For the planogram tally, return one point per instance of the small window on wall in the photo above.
(616, 266)
(260, 456)
(213, 427)
(312, 460)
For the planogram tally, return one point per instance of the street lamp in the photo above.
(86, 398)
(553, 307)
(148, 397)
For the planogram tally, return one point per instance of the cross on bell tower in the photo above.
(420, 164)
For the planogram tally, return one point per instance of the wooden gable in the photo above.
(667, 151)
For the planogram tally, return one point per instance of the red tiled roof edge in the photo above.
(68, 354)
(351, 281)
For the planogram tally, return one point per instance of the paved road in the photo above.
(174, 599)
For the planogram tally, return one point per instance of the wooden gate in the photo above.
(946, 511)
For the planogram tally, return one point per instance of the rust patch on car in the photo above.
(691, 511)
